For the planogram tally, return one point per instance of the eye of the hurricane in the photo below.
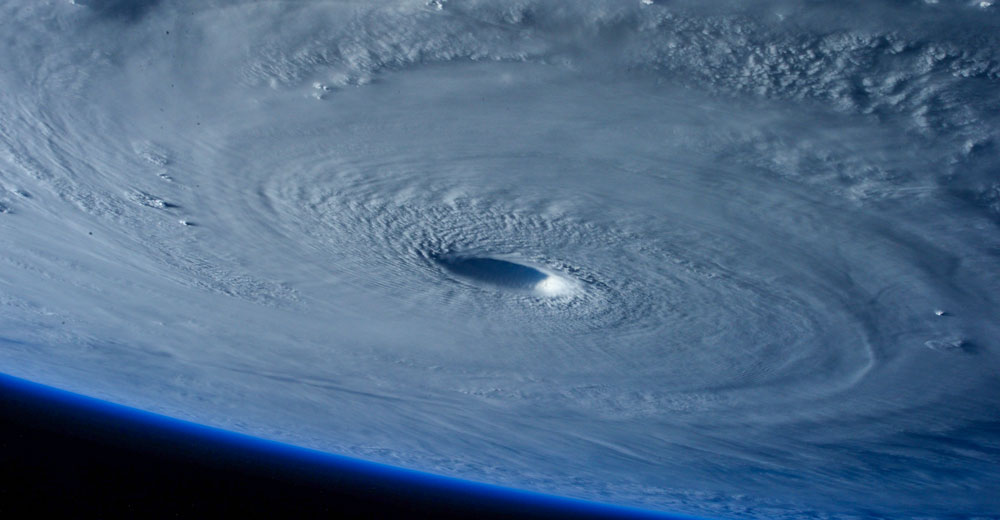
(505, 274)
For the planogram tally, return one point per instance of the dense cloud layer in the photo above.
(724, 258)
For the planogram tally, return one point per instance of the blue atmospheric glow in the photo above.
(333, 463)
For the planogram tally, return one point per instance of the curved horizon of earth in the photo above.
(729, 259)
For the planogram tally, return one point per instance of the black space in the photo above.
(60, 456)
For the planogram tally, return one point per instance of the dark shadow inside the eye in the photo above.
(501, 273)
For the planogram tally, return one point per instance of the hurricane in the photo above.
(735, 259)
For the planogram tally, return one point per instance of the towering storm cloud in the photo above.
(723, 258)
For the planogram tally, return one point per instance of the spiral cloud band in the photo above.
(722, 258)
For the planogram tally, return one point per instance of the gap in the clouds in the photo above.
(505, 274)
(129, 10)
(494, 271)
